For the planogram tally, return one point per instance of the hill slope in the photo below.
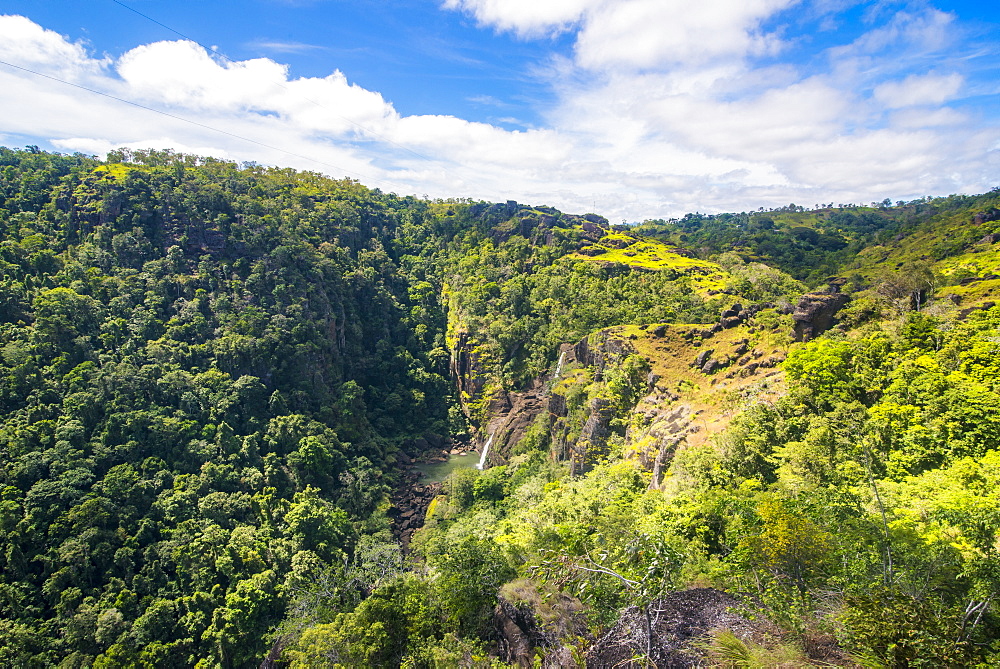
(214, 376)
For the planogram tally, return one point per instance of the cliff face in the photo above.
(681, 396)
(680, 400)
(815, 313)
(512, 413)
(467, 370)
(503, 416)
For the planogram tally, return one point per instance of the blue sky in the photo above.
(422, 59)
(632, 108)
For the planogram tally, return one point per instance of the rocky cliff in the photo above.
(694, 373)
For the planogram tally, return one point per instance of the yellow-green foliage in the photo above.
(950, 508)
(948, 241)
(568, 379)
(789, 542)
(983, 261)
(116, 171)
(975, 292)
(621, 249)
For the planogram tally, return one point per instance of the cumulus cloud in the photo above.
(637, 33)
(661, 108)
(27, 43)
(672, 95)
(183, 73)
(650, 33)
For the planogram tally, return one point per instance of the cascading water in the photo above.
(485, 453)
(559, 365)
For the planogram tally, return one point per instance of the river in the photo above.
(434, 472)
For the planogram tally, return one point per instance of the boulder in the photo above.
(515, 631)
(592, 230)
(815, 314)
(732, 311)
(986, 216)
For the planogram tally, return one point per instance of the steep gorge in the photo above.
(214, 377)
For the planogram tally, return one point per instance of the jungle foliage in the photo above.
(209, 373)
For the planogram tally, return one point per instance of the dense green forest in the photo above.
(811, 245)
(214, 376)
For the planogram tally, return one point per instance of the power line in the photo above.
(187, 120)
(282, 85)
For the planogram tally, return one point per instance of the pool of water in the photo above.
(438, 471)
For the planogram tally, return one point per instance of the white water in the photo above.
(486, 451)
(559, 365)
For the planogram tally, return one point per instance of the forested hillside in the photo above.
(814, 244)
(215, 378)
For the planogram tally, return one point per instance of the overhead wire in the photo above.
(352, 122)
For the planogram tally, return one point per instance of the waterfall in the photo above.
(485, 453)
(559, 365)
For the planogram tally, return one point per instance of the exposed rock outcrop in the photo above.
(519, 634)
(667, 633)
(594, 437)
(993, 214)
(529, 622)
(598, 351)
(815, 313)
(668, 426)
(512, 414)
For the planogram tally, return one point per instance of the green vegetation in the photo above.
(211, 376)
(861, 505)
(814, 245)
(207, 372)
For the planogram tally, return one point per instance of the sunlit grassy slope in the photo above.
(622, 249)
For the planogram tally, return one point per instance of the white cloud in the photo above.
(649, 33)
(183, 73)
(662, 108)
(27, 44)
(922, 118)
(637, 33)
(525, 17)
(914, 90)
